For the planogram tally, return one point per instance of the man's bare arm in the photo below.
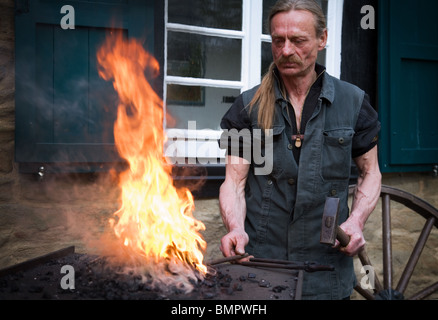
(233, 206)
(365, 198)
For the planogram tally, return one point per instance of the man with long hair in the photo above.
(316, 124)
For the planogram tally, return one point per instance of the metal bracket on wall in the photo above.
(41, 172)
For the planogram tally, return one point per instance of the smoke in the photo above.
(65, 129)
(75, 208)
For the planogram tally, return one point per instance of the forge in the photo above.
(96, 278)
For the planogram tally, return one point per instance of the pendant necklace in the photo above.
(298, 142)
(299, 137)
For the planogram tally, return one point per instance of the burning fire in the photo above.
(155, 220)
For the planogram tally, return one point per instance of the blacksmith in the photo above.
(317, 125)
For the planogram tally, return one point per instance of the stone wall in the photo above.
(7, 107)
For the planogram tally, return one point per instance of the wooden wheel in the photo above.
(386, 289)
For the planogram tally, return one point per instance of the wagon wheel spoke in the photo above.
(430, 214)
(413, 259)
(364, 293)
(425, 292)
(387, 241)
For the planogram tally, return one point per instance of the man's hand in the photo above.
(234, 243)
(357, 240)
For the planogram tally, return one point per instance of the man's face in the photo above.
(295, 45)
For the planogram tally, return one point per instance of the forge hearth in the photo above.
(96, 278)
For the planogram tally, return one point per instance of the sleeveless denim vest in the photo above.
(285, 207)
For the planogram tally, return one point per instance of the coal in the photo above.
(264, 284)
(97, 278)
(94, 278)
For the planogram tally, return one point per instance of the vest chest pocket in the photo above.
(336, 154)
(267, 150)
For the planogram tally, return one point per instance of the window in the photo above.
(214, 50)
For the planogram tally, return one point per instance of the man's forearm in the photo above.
(233, 207)
(367, 192)
(232, 194)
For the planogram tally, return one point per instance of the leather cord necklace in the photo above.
(299, 138)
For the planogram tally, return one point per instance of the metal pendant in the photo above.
(298, 142)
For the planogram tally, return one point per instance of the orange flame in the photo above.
(155, 220)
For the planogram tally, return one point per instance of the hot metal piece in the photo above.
(228, 259)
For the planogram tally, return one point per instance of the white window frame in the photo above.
(251, 51)
(335, 12)
(252, 36)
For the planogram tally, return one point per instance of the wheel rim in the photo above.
(387, 289)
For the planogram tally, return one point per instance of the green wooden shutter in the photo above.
(64, 111)
(408, 72)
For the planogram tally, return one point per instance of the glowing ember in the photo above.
(155, 221)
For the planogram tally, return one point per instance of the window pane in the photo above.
(185, 95)
(222, 14)
(322, 57)
(267, 5)
(266, 57)
(324, 6)
(197, 56)
(204, 105)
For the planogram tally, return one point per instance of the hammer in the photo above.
(330, 231)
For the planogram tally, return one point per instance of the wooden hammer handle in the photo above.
(342, 237)
(344, 240)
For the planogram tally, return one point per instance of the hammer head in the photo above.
(329, 221)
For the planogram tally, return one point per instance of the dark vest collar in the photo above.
(327, 91)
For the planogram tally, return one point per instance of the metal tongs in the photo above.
(228, 259)
(275, 264)
(308, 266)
